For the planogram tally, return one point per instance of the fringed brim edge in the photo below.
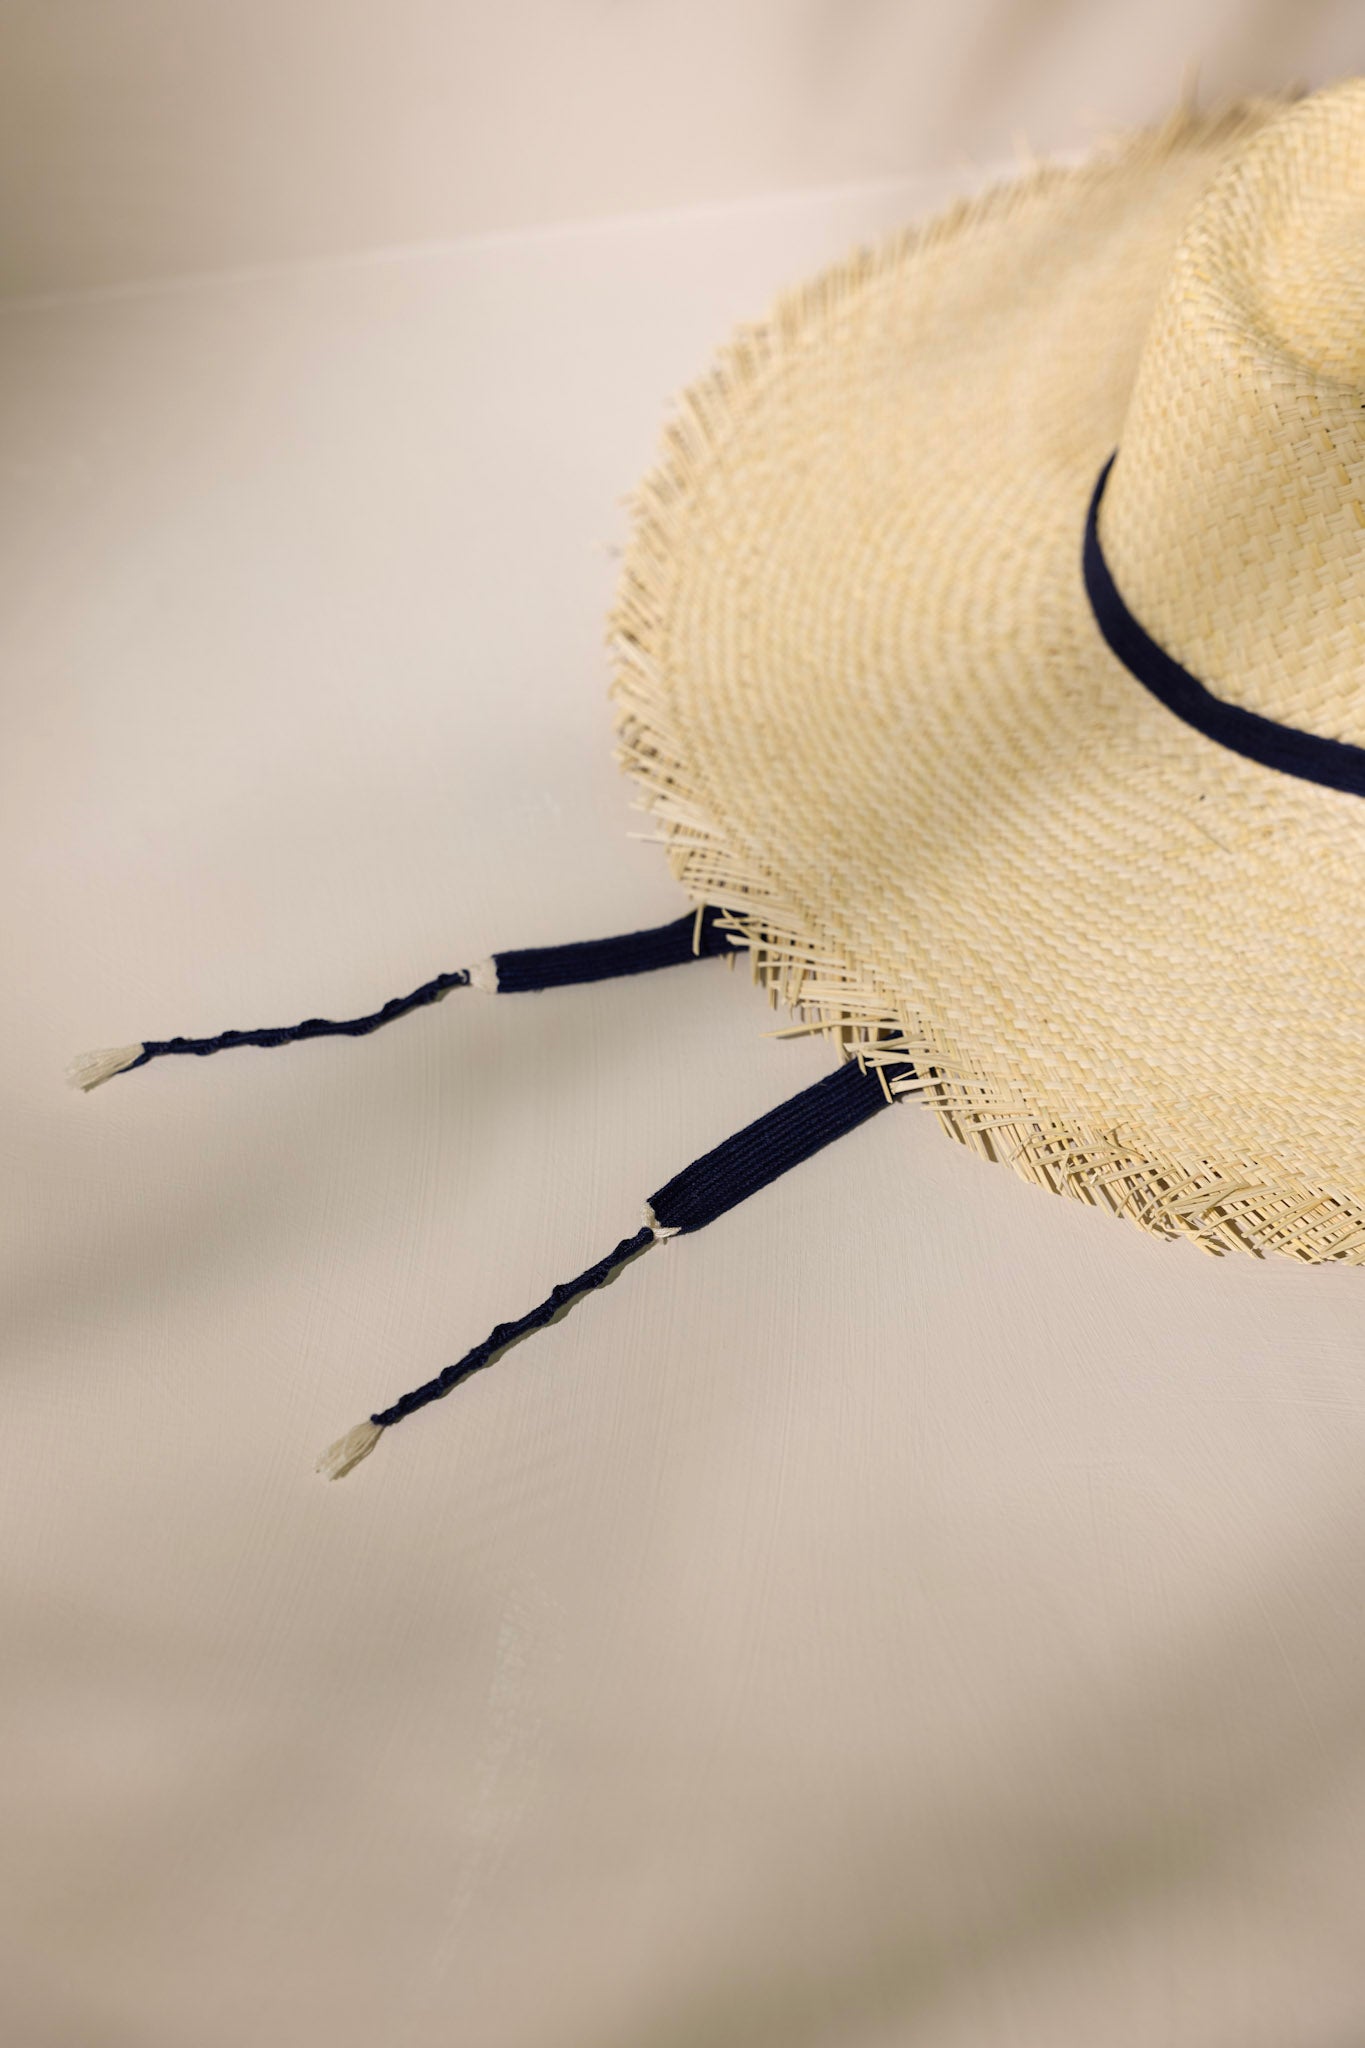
(1218, 1207)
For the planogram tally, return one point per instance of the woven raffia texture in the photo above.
(857, 677)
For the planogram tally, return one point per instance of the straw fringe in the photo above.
(1218, 1208)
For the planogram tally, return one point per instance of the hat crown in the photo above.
(1234, 519)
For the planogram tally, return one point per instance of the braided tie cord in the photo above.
(732, 1171)
(507, 1333)
(312, 1027)
(697, 936)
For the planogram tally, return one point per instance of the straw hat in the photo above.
(991, 651)
(1083, 845)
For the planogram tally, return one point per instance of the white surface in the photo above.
(915, 1610)
(144, 138)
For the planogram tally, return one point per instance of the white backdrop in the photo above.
(916, 1610)
(141, 138)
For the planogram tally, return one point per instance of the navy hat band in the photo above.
(1335, 763)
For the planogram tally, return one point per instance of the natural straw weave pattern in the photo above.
(858, 679)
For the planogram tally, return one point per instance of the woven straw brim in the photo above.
(858, 679)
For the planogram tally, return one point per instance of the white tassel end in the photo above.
(661, 1230)
(346, 1453)
(90, 1068)
(484, 974)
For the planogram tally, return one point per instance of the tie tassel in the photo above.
(347, 1452)
(89, 1069)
